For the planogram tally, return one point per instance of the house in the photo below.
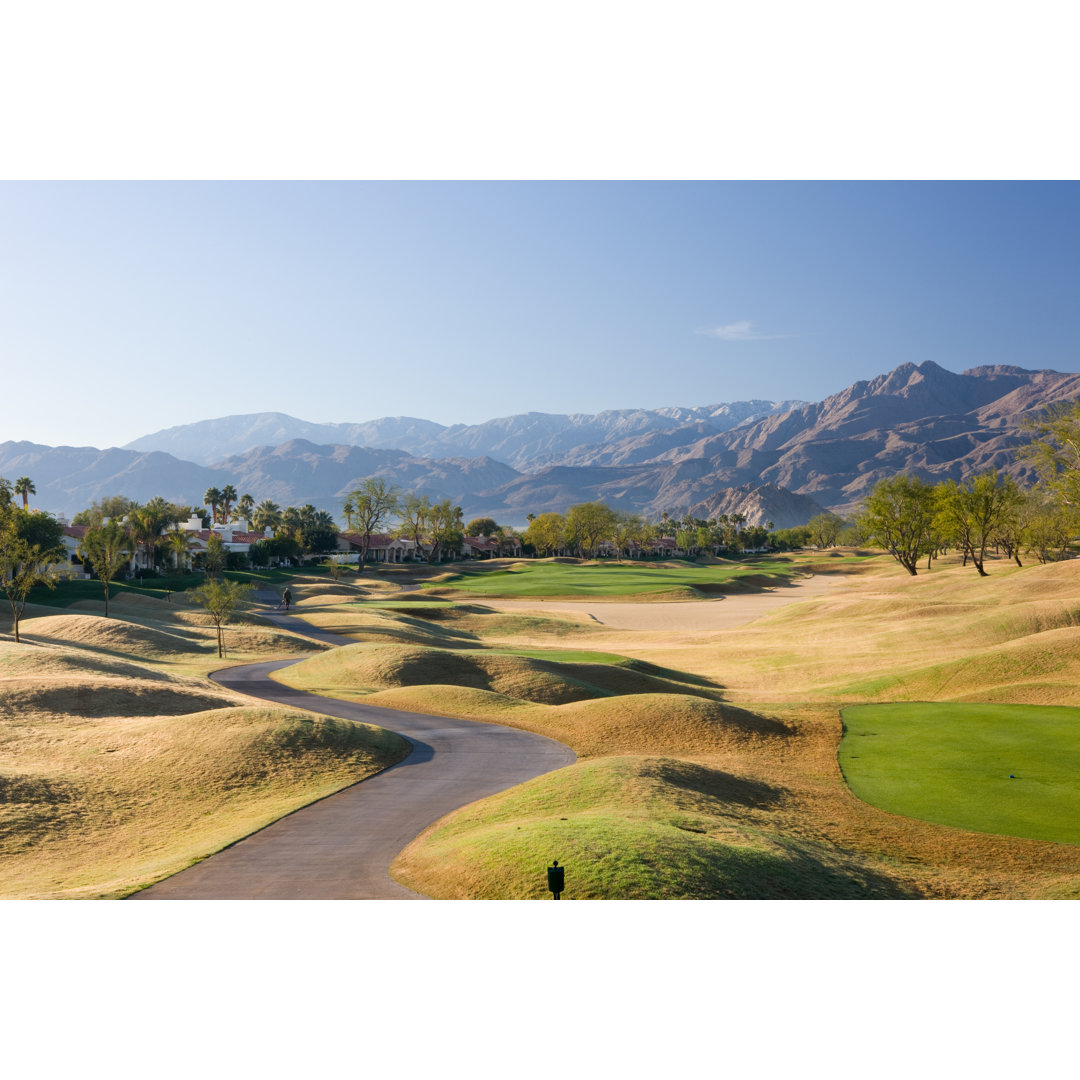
(381, 547)
(491, 547)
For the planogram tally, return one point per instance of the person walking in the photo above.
(286, 599)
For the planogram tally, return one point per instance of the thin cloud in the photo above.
(740, 331)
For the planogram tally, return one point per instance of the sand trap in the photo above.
(724, 614)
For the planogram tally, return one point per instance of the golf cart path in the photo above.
(341, 847)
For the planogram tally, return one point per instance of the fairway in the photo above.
(536, 579)
(951, 764)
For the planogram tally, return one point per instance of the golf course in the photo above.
(818, 725)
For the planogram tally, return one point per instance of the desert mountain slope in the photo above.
(917, 418)
(526, 441)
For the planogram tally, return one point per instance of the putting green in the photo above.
(1008, 769)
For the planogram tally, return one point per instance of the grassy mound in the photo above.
(101, 807)
(528, 678)
(109, 635)
(1007, 769)
(57, 661)
(1042, 668)
(631, 829)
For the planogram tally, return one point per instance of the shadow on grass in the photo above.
(714, 784)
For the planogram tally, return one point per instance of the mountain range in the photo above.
(778, 461)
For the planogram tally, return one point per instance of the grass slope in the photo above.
(632, 828)
(120, 763)
(952, 763)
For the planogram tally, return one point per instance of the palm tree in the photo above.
(349, 510)
(266, 515)
(212, 498)
(228, 497)
(24, 486)
(245, 505)
(179, 543)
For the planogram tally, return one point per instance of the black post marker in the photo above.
(556, 878)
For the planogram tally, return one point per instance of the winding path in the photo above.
(341, 847)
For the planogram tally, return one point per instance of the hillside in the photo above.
(781, 467)
(526, 441)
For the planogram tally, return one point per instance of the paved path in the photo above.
(341, 847)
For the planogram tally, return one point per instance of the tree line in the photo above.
(912, 518)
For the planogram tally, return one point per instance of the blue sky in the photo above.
(129, 307)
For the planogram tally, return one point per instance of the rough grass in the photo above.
(121, 763)
(98, 806)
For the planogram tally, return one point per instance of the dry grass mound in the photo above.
(1040, 669)
(109, 635)
(546, 682)
(58, 661)
(104, 696)
(100, 808)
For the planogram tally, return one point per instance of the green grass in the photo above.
(565, 656)
(67, 593)
(632, 828)
(951, 764)
(543, 579)
(397, 605)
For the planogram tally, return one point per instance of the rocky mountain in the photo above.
(527, 441)
(782, 467)
(69, 479)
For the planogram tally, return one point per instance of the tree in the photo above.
(348, 508)
(444, 529)
(1055, 450)
(546, 533)
(587, 524)
(336, 569)
(221, 599)
(897, 515)
(317, 532)
(24, 486)
(147, 523)
(483, 526)
(30, 547)
(1048, 526)
(179, 543)
(376, 501)
(212, 498)
(824, 529)
(267, 515)
(245, 504)
(112, 506)
(106, 549)
(970, 514)
(228, 497)
(214, 557)
(413, 514)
